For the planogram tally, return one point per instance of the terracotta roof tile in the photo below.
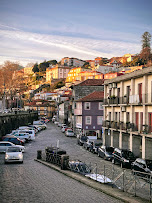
(91, 82)
(94, 96)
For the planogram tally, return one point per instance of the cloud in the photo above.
(25, 46)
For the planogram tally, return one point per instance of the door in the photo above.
(118, 95)
(141, 121)
(128, 93)
(137, 120)
(140, 92)
(2, 147)
(150, 122)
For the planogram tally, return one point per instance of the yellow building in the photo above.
(57, 72)
(28, 70)
(89, 74)
(128, 112)
(73, 74)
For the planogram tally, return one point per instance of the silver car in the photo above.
(69, 133)
(5, 144)
(13, 154)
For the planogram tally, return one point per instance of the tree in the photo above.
(86, 65)
(42, 66)
(145, 54)
(146, 38)
(136, 61)
(35, 68)
(52, 62)
(6, 73)
(103, 61)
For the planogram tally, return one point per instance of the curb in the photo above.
(113, 192)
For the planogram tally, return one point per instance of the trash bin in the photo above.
(64, 162)
(39, 154)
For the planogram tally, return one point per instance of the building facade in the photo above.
(57, 72)
(66, 61)
(88, 113)
(128, 112)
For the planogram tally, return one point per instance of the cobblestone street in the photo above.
(33, 182)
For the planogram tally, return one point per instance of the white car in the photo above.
(69, 133)
(63, 129)
(5, 144)
(63, 125)
(13, 154)
(59, 124)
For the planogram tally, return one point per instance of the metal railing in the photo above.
(134, 182)
(144, 129)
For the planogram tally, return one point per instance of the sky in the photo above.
(36, 30)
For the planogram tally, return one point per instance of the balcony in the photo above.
(106, 123)
(142, 129)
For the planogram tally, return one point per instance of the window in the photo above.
(99, 120)
(88, 120)
(100, 106)
(75, 105)
(87, 106)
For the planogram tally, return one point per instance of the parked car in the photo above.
(13, 154)
(23, 136)
(39, 123)
(95, 145)
(106, 152)
(36, 128)
(28, 128)
(69, 133)
(88, 143)
(142, 165)
(53, 118)
(27, 131)
(81, 140)
(13, 139)
(123, 157)
(59, 124)
(63, 129)
(63, 125)
(5, 144)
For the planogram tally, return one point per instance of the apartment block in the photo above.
(128, 112)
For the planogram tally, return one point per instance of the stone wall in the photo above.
(9, 122)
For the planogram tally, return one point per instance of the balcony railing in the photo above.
(132, 99)
(144, 129)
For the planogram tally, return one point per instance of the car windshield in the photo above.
(98, 144)
(84, 138)
(109, 149)
(128, 154)
(15, 149)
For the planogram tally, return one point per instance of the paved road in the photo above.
(33, 182)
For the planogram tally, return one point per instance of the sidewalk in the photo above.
(114, 192)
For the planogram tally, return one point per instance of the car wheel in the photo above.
(113, 161)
